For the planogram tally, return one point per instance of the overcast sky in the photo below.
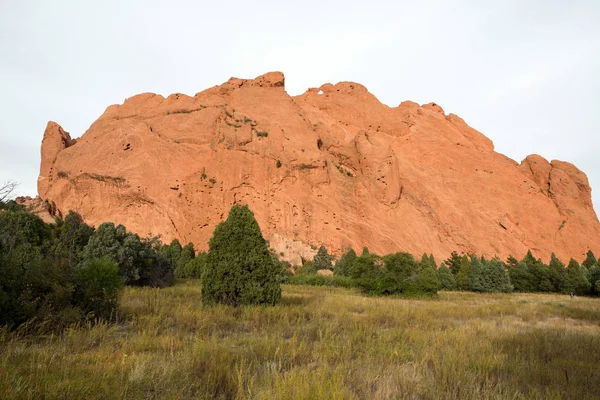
(525, 73)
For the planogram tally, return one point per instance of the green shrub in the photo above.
(140, 261)
(239, 268)
(97, 287)
(321, 280)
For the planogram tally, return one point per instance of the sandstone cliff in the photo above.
(332, 166)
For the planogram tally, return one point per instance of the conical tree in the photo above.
(322, 259)
(462, 278)
(344, 264)
(574, 279)
(453, 262)
(447, 280)
(590, 260)
(239, 268)
(556, 272)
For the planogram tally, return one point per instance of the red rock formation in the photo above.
(332, 166)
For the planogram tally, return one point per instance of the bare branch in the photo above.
(6, 190)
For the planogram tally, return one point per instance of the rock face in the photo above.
(332, 166)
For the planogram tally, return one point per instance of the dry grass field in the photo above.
(319, 343)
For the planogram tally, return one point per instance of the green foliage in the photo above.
(595, 280)
(140, 261)
(428, 281)
(574, 279)
(97, 287)
(195, 267)
(446, 278)
(453, 262)
(477, 278)
(72, 236)
(262, 133)
(522, 279)
(462, 278)
(320, 280)
(39, 277)
(322, 259)
(590, 260)
(556, 273)
(239, 269)
(307, 268)
(342, 266)
(278, 164)
(511, 262)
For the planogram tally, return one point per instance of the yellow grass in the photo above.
(320, 343)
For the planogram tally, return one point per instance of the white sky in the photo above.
(526, 73)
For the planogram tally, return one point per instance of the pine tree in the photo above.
(556, 273)
(446, 278)
(343, 266)
(477, 276)
(239, 268)
(462, 278)
(322, 259)
(590, 260)
(428, 281)
(522, 279)
(511, 262)
(595, 279)
(574, 279)
(453, 262)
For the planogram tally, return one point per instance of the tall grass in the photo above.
(319, 343)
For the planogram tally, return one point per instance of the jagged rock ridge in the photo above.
(332, 166)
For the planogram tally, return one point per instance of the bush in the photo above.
(97, 287)
(239, 268)
(321, 280)
(322, 259)
(140, 261)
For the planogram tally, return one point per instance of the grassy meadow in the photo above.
(319, 343)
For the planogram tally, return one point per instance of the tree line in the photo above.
(65, 272)
(400, 273)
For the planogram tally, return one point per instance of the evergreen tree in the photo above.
(595, 279)
(511, 262)
(522, 279)
(428, 281)
(342, 267)
(453, 262)
(556, 273)
(402, 272)
(574, 279)
(432, 262)
(239, 268)
(322, 259)
(185, 256)
(462, 278)
(446, 278)
(497, 278)
(590, 260)
(477, 276)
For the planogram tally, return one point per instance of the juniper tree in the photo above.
(574, 279)
(239, 268)
(446, 278)
(322, 259)
(342, 267)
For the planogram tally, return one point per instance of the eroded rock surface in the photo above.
(332, 166)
